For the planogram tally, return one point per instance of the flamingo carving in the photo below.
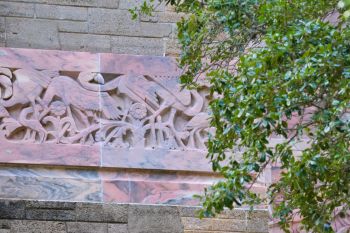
(28, 86)
(73, 94)
(157, 94)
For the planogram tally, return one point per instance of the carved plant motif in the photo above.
(128, 111)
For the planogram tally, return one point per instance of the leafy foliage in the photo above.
(277, 69)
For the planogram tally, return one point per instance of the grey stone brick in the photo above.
(127, 4)
(31, 33)
(50, 205)
(61, 12)
(29, 226)
(90, 3)
(12, 209)
(117, 228)
(213, 224)
(8, 8)
(50, 214)
(86, 227)
(85, 42)
(2, 24)
(137, 45)
(102, 212)
(160, 219)
(72, 26)
(119, 22)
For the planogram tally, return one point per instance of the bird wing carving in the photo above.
(31, 75)
(109, 107)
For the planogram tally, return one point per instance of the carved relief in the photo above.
(125, 111)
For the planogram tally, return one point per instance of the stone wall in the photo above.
(73, 217)
(86, 25)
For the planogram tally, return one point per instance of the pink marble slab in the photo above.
(161, 159)
(145, 65)
(122, 191)
(49, 59)
(49, 154)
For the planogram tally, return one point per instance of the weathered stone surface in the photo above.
(61, 12)
(137, 45)
(102, 212)
(160, 219)
(257, 225)
(128, 4)
(213, 224)
(84, 42)
(28, 226)
(86, 227)
(119, 22)
(12, 209)
(2, 24)
(117, 228)
(50, 205)
(50, 214)
(72, 26)
(91, 3)
(31, 33)
(8, 8)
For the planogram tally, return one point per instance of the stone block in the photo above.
(50, 205)
(163, 17)
(188, 211)
(119, 22)
(172, 47)
(2, 24)
(89, 3)
(160, 219)
(18, 226)
(117, 228)
(31, 33)
(86, 227)
(12, 209)
(257, 225)
(61, 12)
(137, 45)
(8, 8)
(72, 26)
(85, 42)
(50, 214)
(127, 4)
(102, 212)
(213, 224)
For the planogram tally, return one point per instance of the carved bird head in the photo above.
(5, 82)
(99, 78)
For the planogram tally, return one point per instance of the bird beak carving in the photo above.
(5, 71)
(6, 83)
(99, 79)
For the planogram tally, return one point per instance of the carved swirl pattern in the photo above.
(41, 106)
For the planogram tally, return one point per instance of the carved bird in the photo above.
(73, 94)
(28, 86)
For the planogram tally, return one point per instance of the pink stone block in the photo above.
(145, 65)
(155, 159)
(49, 59)
(49, 154)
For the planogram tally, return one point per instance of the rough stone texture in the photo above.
(163, 219)
(87, 25)
(8, 8)
(137, 45)
(31, 33)
(121, 218)
(61, 12)
(85, 42)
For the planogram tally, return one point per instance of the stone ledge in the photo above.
(44, 216)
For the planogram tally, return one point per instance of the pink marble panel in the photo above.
(49, 154)
(151, 192)
(161, 159)
(145, 65)
(49, 59)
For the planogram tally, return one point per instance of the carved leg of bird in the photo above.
(170, 124)
(160, 136)
(70, 115)
(191, 142)
(152, 119)
(200, 140)
(27, 135)
(82, 117)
